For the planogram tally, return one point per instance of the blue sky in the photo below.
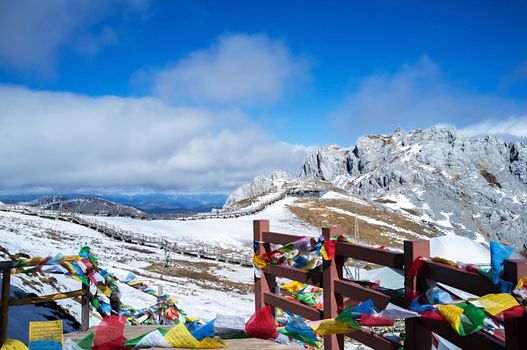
(264, 82)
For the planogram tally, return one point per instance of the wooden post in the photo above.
(85, 308)
(515, 327)
(331, 271)
(514, 269)
(412, 250)
(266, 283)
(6, 284)
(417, 336)
(516, 332)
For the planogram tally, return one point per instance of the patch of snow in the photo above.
(445, 222)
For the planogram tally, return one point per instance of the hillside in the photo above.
(439, 179)
(84, 205)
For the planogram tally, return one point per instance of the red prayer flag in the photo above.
(329, 245)
(372, 321)
(262, 325)
(109, 334)
(432, 315)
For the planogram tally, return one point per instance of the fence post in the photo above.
(331, 271)
(417, 336)
(6, 284)
(516, 332)
(515, 327)
(85, 308)
(266, 283)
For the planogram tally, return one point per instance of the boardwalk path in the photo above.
(129, 236)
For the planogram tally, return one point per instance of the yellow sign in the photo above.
(49, 330)
(13, 344)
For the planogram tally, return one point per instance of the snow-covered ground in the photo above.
(197, 296)
(226, 233)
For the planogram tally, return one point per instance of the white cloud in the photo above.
(236, 68)
(417, 96)
(66, 141)
(513, 126)
(32, 31)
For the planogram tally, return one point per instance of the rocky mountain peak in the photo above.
(472, 186)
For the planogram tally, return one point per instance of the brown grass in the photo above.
(316, 212)
(202, 275)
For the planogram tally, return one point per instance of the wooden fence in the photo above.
(7, 301)
(336, 287)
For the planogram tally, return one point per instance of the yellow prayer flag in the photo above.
(13, 344)
(107, 291)
(259, 262)
(47, 330)
(496, 303)
(452, 314)
(180, 337)
(444, 261)
(210, 343)
(293, 287)
(327, 327)
(311, 264)
(521, 282)
(323, 253)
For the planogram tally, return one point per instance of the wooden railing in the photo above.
(335, 286)
(7, 301)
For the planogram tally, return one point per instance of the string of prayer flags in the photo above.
(261, 324)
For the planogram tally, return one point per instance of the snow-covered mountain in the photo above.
(85, 205)
(471, 187)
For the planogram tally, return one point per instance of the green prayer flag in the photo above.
(86, 342)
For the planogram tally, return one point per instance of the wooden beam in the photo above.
(293, 306)
(468, 281)
(476, 341)
(279, 238)
(312, 278)
(4, 308)
(373, 255)
(360, 293)
(373, 340)
(46, 298)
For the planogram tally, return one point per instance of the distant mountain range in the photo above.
(126, 205)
